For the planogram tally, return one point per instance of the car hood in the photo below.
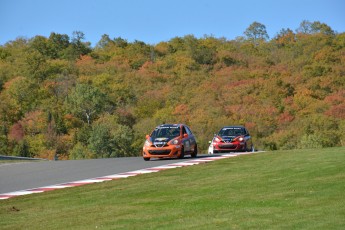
(161, 139)
(228, 138)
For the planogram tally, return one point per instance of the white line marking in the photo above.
(120, 175)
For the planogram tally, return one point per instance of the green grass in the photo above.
(300, 189)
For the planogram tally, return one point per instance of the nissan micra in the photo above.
(170, 141)
(230, 139)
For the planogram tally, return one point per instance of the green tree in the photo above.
(79, 151)
(20, 95)
(40, 44)
(36, 64)
(120, 42)
(82, 135)
(307, 27)
(104, 42)
(108, 138)
(285, 37)
(4, 144)
(318, 27)
(58, 43)
(100, 140)
(86, 102)
(22, 149)
(256, 32)
(137, 53)
(77, 46)
(304, 27)
(122, 139)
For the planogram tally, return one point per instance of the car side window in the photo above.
(183, 130)
(246, 132)
(188, 131)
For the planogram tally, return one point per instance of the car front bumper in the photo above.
(229, 147)
(172, 151)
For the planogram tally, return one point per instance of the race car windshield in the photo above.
(231, 132)
(170, 132)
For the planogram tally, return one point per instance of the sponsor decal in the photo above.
(161, 139)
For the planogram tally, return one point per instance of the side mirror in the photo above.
(147, 136)
(185, 135)
(209, 142)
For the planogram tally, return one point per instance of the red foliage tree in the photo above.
(16, 132)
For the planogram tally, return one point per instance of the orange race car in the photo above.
(170, 141)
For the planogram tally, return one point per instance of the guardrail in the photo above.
(2, 157)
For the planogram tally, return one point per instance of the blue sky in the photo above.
(154, 21)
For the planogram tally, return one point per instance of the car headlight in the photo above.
(147, 143)
(174, 142)
(240, 139)
(217, 139)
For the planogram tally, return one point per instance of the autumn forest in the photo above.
(62, 98)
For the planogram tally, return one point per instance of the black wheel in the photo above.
(182, 153)
(195, 152)
(244, 148)
(146, 158)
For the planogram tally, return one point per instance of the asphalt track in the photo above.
(28, 175)
(35, 177)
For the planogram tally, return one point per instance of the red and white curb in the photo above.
(119, 175)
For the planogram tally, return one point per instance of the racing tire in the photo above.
(146, 158)
(244, 149)
(182, 153)
(195, 152)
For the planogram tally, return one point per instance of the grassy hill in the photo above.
(295, 189)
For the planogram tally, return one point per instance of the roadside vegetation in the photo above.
(62, 98)
(291, 189)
